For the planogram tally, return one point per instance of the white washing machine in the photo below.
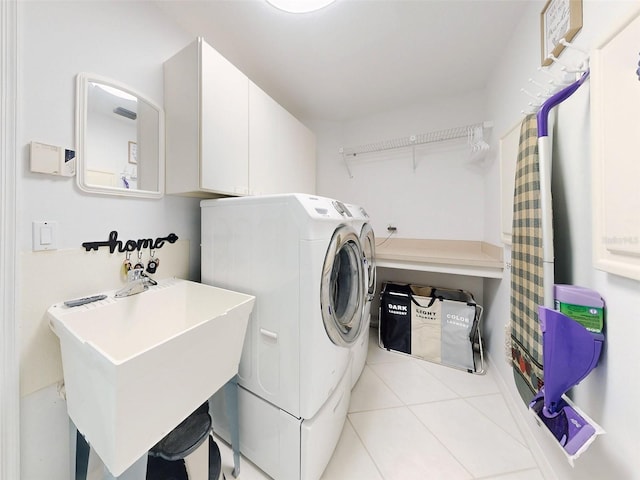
(302, 259)
(360, 221)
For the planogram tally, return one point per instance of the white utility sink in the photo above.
(135, 367)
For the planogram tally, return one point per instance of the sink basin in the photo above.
(135, 367)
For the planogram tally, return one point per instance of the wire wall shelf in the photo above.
(474, 135)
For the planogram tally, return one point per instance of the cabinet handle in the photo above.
(269, 334)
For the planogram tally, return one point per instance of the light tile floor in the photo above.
(409, 419)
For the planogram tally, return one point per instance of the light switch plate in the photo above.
(45, 235)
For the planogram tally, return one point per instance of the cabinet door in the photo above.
(615, 96)
(182, 122)
(300, 156)
(224, 125)
(282, 151)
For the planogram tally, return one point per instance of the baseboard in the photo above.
(524, 423)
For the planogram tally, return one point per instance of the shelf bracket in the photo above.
(346, 163)
(412, 141)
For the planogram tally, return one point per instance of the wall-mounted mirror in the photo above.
(120, 139)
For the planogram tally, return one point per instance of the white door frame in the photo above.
(9, 364)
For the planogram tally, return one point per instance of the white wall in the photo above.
(610, 394)
(420, 203)
(126, 41)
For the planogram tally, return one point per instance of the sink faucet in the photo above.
(137, 282)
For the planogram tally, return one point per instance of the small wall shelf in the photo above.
(459, 257)
(474, 135)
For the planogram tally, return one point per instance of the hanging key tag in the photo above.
(126, 265)
(139, 265)
(152, 266)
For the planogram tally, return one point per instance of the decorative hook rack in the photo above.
(557, 80)
(474, 134)
(130, 245)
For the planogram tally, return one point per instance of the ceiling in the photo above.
(356, 57)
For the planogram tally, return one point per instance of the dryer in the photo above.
(301, 257)
(361, 222)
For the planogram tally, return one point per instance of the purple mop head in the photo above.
(570, 428)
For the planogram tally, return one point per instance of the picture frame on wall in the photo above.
(133, 152)
(559, 19)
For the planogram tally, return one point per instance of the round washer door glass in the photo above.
(342, 288)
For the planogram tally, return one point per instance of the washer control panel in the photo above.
(341, 209)
(325, 207)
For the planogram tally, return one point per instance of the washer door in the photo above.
(342, 287)
(368, 241)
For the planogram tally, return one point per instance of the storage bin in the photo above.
(440, 325)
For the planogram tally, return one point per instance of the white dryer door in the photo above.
(368, 241)
(342, 287)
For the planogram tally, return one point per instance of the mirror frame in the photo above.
(82, 91)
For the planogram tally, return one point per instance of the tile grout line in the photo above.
(494, 477)
(408, 407)
(453, 455)
(433, 377)
(459, 396)
(373, 461)
(524, 445)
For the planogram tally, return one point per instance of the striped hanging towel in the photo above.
(527, 290)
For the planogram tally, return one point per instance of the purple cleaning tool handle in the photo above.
(561, 96)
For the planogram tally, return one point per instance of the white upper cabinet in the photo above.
(615, 96)
(225, 136)
(224, 125)
(207, 123)
(282, 151)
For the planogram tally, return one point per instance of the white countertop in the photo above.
(462, 257)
